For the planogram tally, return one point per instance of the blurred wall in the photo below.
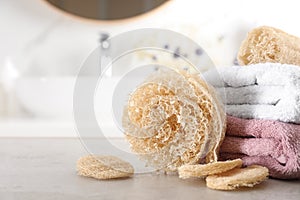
(36, 36)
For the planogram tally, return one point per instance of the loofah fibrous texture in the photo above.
(268, 44)
(174, 118)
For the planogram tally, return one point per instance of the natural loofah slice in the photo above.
(103, 167)
(188, 171)
(238, 177)
(172, 119)
(268, 44)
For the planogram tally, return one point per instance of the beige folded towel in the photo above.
(268, 44)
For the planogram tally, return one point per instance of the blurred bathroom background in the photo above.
(44, 43)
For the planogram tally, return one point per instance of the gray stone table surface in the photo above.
(44, 168)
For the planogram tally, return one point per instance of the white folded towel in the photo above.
(263, 91)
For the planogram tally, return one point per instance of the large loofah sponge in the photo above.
(174, 118)
(268, 44)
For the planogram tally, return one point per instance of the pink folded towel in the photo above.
(273, 144)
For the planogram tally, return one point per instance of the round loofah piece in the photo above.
(172, 119)
(238, 177)
(103, 167)
(189, 171)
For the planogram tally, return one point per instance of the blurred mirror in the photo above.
(107, 9)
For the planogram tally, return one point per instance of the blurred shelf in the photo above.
(33, 127)
(30, 127)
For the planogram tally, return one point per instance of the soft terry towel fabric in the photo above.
(273, 144)
(263, 91)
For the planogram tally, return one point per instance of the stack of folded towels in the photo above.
(263, 115)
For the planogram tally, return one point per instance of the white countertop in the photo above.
(44, 168)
